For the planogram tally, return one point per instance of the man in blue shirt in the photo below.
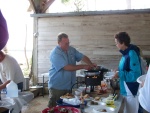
(62, 74)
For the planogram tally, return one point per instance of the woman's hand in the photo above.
(142, 84)
(116, 75)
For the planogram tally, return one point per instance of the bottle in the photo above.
(12, 89)
(108, 84)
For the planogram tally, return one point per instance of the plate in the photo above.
(108, 101)
(57, 109)
(97, 99)
(89, 103)
(141, 79)
(98, 109)
(62, 97)
(67, 96)
(61, 103)
(88, 99)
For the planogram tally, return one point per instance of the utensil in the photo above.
(114, 83)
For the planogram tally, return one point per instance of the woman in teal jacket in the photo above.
(128, 71)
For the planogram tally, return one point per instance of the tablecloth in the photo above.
(89, 109)
(15, 104)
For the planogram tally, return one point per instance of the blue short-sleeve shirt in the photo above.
(58, 77)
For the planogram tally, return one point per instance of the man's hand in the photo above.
(87, 67)
(4, 84)
(7, 82)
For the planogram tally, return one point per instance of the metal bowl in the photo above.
(115, 84)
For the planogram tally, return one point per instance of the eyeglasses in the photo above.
(67, 43)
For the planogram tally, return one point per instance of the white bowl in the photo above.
(109, 74)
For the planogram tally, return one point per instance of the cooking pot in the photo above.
(94, 77)
(92, 72)
(99, 70)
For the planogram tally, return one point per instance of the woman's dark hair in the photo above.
(61, 35)
(123, 37)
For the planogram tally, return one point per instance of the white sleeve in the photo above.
(144, 96)
(3, 77)
(10, 74)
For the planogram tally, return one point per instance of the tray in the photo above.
(61, 103)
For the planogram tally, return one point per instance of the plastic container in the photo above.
(26, 83)
(12, 89)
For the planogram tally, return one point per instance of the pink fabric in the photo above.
(3, 32)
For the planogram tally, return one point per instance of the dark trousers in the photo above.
(141, 110)
(20, 86)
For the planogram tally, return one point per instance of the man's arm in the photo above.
(87, 60)
(89, 65)
(76, 67)
(4, 84)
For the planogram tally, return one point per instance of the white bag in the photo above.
(143, 66)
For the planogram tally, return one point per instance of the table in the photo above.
(89, 108)
(15, 104)
(39, 88)
(118, 103)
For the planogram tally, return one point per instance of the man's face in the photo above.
(64, 44)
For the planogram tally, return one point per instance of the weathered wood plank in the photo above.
(93, 36)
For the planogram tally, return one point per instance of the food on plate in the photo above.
(109, 102)
(93, 103)
(102, 110)
(86, 96)
(51, 110)
(68, 96)
(61, 109)
(64, 110)
(97, 98)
